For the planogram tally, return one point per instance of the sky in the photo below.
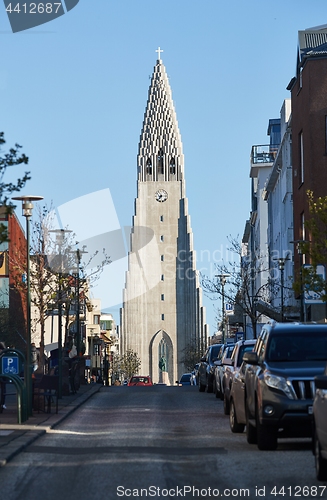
(73, 93)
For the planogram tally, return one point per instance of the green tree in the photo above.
(7, 160)
(125, 365)
(314, 248)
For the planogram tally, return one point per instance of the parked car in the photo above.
(231, 367)
(225, 352)
(279, 381)
(185, 379)
(207, 367)
(140, 380)
(237, 416)
(320, 426)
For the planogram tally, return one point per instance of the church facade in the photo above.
(162, 316)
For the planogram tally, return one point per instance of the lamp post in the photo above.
(222, 278)
(60, 236)
(27, 208)
(78, 253)
(281, 266)
(300, 253)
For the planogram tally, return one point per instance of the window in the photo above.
(149, 167)
(162, 316)
(301, 178)
(162, 277)
(161, 238)
(162, 258)
(172, 166)
(160, 162)
(96, 319)
(302, 226)
(161, 218)
(162, 296)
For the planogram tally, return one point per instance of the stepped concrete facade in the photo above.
(162, 317)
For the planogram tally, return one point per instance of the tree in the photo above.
(315, 248)
(192, 353)
(10, 159)
(241, 288)
(125, 365)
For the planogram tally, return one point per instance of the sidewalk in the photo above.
(15, 437)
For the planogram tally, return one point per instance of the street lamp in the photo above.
(300, 253)
(78, 253)
(60, 236)
(281, 266)
(27, 208)
(222, 278)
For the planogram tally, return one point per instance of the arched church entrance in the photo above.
(161, 357)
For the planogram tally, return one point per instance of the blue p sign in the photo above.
(10, 365)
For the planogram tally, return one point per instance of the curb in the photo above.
(27, 434)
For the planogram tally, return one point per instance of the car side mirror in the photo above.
(251, 358)
(321, 382)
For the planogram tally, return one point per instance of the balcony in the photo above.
(262, 156)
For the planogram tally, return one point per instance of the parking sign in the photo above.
(10, 364)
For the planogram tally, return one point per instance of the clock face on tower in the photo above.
(161, 195)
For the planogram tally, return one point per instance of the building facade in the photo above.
(309, 139)
(162, 314)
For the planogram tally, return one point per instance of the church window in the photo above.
(149, 167)
(161, 218)
(162, 296)
(162, 316)
(162, 258)
(160, 163)
(162, 277)
(172, 166)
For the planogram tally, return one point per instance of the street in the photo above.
(156, 442)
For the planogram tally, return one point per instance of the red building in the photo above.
(309, 127)
(12, 289)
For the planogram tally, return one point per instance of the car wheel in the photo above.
(234, 425)
(251, 431)
(226, 405)
(320, 462)
(266, 435)
(209, 387)
(201, 386)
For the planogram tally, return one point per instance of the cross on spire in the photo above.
(159, 50)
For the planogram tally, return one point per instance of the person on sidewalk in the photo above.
(2, 385)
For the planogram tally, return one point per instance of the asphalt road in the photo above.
(156, 442)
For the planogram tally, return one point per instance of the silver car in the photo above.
(320, 426)
(225, 352)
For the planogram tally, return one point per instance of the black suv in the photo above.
(207, 367)
(279, 381)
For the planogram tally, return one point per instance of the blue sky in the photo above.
(73, 93)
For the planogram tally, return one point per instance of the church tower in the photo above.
(162, 314)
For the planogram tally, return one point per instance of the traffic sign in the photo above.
(10, 364)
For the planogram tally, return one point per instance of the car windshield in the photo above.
(243, 349)
(139, 379)
(304, 346)
(215, 351)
